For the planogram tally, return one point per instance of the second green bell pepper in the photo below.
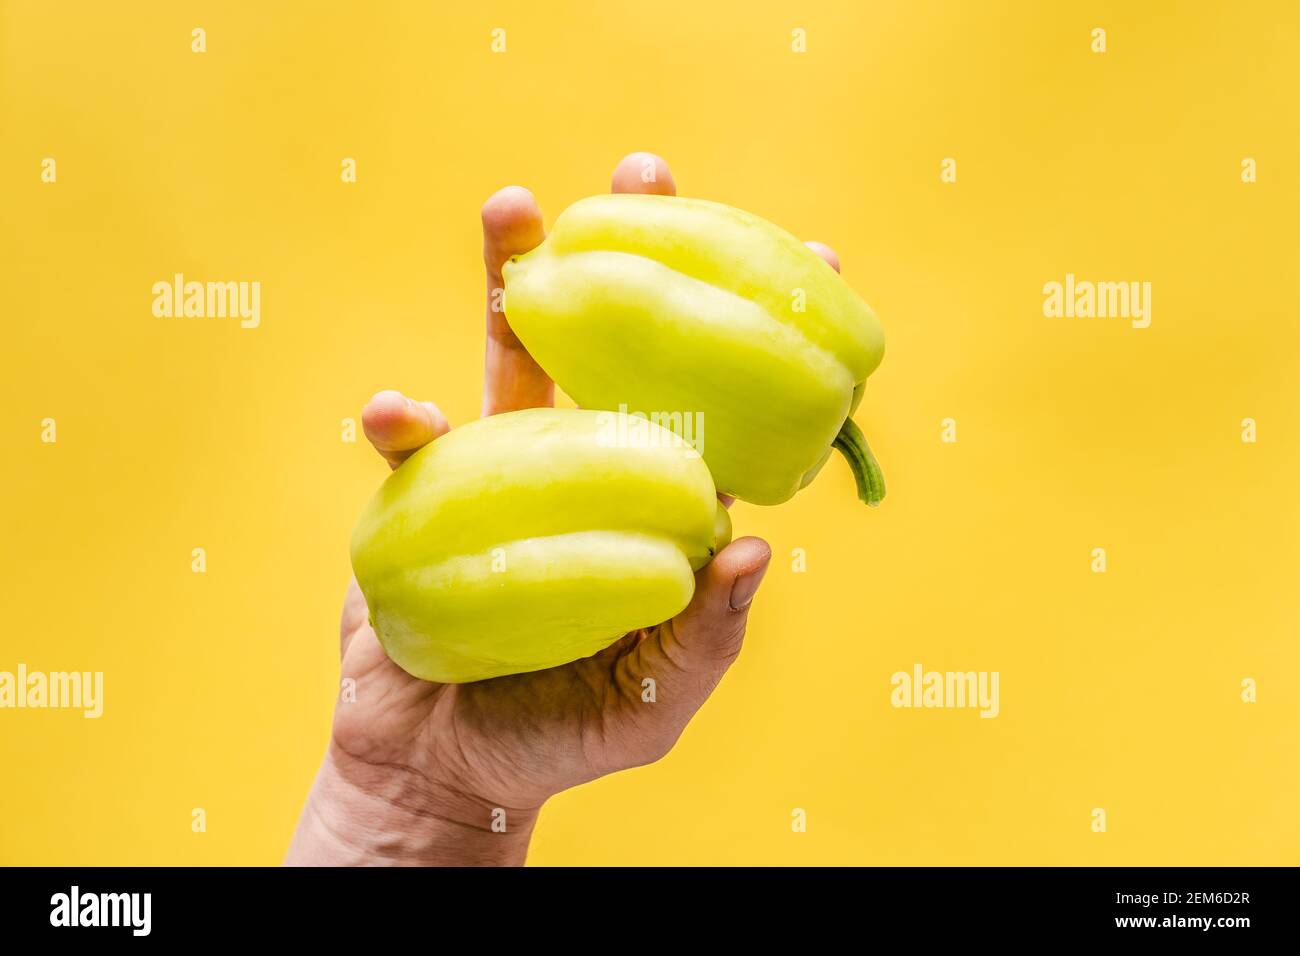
(527, 540)
(669, 306)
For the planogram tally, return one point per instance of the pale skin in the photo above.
(418, 773)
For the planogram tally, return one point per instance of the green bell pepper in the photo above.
(530, 539)
(679, 307)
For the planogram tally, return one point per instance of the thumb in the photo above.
(700, 643)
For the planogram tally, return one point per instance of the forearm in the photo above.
(358, 814)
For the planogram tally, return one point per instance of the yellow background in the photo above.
(1118, 690)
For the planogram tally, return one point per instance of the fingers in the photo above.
(643, 173)
(712, 627)
(688, 655)
(512, 225)
(826, 252)
(398, 427)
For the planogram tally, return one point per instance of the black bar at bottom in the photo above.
(381, 907)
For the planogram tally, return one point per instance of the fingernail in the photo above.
(745, 587)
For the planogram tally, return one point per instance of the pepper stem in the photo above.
(866, 472)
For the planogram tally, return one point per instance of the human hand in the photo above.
(424, 773)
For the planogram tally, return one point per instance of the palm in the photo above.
(523, 737)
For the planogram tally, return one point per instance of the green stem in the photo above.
(866, 472)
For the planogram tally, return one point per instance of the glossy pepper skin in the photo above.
(660, 304)
(530, 539)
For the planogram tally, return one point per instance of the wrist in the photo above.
(364, 814)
